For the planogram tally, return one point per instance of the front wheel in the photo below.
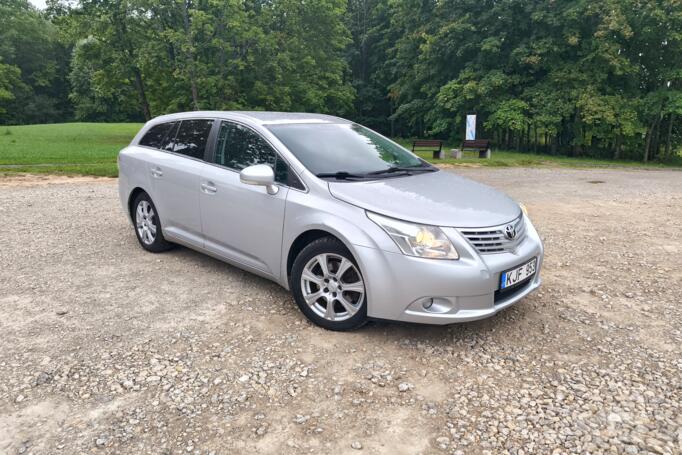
(328, 286)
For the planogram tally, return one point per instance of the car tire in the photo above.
(147, 225)
(339, 284)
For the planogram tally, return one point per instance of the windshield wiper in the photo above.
(408, 169)
(341, 175)
(344, 175)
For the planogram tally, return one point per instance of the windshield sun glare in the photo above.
(342, 148)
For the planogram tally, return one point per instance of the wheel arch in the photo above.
(351, 227)
(131, 198)
(305, 238)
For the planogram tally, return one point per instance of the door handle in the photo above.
(157, 172)
(209, 188)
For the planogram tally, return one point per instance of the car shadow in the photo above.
(388, 331)
(462, 331)
(217, 266)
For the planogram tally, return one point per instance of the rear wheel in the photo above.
(328, 286)
(147, 225)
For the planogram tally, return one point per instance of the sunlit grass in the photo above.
(81, 148)
(92, 148)
(501, 158)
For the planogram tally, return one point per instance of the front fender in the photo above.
(345, 221)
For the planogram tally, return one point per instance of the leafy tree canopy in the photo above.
(577, 76)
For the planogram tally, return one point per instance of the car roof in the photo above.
(260, 117)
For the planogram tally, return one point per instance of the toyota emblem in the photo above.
(510, 232)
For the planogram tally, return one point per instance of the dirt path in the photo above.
(108, 349)
(48, 179)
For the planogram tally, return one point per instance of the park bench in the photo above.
(430, 145)
(482, 146)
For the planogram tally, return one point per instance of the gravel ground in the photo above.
(108, 349)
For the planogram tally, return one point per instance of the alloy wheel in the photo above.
(332, 287)
(145, 222)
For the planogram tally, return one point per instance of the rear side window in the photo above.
(192, 137)
(156, 135)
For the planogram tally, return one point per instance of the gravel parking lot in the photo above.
(108, 349)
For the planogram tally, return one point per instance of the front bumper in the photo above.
(463, 290)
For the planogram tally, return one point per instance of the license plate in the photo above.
(518, 274)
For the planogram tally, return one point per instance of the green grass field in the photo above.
(506, 159)
(91, 149)
(67, 148)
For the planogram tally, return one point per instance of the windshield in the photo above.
(346, 148)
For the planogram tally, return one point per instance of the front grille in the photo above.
(493, 239)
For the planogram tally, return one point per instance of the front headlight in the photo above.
(417, 239)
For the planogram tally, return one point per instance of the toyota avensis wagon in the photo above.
(353, 224)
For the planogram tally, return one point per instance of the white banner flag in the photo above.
(471, 127)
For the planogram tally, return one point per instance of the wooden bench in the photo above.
(482, 146)
(434, 146)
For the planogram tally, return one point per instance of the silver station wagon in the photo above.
(354, 225)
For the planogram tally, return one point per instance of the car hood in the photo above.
(437, 198)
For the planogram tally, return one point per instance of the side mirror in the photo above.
(261, 175)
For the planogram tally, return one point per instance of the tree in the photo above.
(32, 66)
(96, 95)
(118, 29)
(574, 77)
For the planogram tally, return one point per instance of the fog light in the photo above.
(435, 305)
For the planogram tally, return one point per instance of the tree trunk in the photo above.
(649, 133)
(616, 146)
(190, 56)
(653, 151)
(195, 92)
(222, 57)
(390, 106)
(128, 50)
(545, 144)
(139, 86)
(576, 146)
(555, 144)
(668, 149)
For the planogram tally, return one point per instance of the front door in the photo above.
(243, 223)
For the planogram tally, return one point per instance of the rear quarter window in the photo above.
(169, 141)
(156, 135)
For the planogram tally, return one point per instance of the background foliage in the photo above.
(577, 77)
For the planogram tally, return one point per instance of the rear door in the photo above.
(243, 223)
(176, 176)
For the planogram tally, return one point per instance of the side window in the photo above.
(239, 147)
(294, 182)
(281, 172)
(169, 141)
(156, 135)
(283, 175)
(192, 137)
